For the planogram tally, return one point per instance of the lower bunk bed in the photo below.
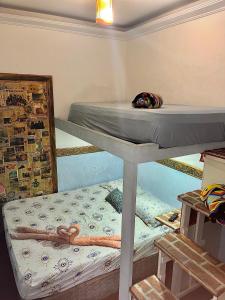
(106, 285)
(52, 271)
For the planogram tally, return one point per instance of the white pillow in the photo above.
(147, 206)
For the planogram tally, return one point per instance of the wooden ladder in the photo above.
(186, 255)
(192, 265)
(151, 288)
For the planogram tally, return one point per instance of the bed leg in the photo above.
(128, 227)
(162, 264)
(185, 219)
(199, 229)
(176, 279)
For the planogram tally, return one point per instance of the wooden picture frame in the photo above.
(27, 137)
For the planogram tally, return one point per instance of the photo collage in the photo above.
(25, 143)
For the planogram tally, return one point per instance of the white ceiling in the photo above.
(127, 13)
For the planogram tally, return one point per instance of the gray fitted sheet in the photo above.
(170, 126)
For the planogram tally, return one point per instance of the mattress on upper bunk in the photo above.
(169, 126)
(41, 268)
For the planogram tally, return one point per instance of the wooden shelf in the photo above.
(164, 219)
(151, 288)
(219, 153)
(205, 269)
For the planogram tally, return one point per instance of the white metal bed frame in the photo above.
(132, 154)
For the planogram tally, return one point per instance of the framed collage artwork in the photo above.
(27, 137)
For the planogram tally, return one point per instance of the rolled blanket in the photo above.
(66, 235)
(147, 100)
(214, 198)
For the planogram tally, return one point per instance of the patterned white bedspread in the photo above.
(43, 268)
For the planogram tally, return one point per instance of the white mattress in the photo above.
(41, 268)
(169, 126)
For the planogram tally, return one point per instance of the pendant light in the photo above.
(104, 12)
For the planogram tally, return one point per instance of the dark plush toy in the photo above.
(147, 100)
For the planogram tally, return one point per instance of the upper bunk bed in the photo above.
(169, 126)
(138, 136)
(116, 127)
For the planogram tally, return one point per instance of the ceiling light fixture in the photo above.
(104, 12)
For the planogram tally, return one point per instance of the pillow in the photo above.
(115, 198)
(147, 207)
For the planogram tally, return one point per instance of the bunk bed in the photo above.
(169, 132)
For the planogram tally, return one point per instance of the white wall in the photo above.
(185, 64)
(84, 68)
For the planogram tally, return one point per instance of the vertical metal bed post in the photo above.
(128, 228)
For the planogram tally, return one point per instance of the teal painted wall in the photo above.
(89, 169)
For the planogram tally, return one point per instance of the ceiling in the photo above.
(127, 13)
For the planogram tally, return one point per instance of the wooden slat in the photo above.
(206, 270)
(151, 288)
